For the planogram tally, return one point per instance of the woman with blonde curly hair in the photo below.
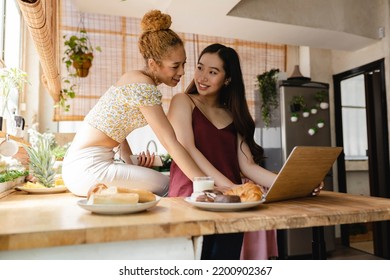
(133, 102)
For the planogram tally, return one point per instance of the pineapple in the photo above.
(42, 162)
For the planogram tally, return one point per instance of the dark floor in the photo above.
(347, 253)
(342, 253)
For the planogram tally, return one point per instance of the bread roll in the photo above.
(144, 195)
(115, 198)
(96, 189)
(101, 191)
(247, 192)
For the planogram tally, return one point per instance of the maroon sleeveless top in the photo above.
(219, 146)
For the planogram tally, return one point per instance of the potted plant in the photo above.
(78, 53)
(313, 110)
(294, 117)
(312, 131)
(268, 93)
(305, 112)
(57, 151)
(167, 160)
(11, 178)
(10, 79)
(297, 103)
(321, 97)
(320, 123)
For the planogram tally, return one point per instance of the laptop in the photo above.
(303, 171)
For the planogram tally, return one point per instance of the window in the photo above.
(118, 37)
(10, 41)
(10, 33)
(353, 105)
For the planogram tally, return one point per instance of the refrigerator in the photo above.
(311, 128)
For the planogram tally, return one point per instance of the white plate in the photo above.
(58, 189)
(212, 206)
(117, 209)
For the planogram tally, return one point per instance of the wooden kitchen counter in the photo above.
(36, 221)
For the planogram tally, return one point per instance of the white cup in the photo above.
(8, 147)
(201, 184)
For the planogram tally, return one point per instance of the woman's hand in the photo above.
(317, 190)
(263, 189)
(146, 159)
(223, 189)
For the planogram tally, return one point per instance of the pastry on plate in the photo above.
(102, 194)
(247, 192)
(217, 197)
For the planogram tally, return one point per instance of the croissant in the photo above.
(247, 192)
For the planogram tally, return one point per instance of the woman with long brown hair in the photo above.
(212, 121)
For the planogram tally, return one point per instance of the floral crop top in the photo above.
(117, 112)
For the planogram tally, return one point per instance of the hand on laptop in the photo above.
(317, 190)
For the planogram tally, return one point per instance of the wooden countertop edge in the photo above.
(213, 223)
(187, 229)
(105, 234)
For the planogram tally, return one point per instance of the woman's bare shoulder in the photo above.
(182, 97)
(180, 101)
(134, 76)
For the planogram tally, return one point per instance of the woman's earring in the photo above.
(227, 82)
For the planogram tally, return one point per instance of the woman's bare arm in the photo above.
(159, 123)
(250, 169)
(180, 116)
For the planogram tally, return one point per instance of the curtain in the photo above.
(40, 17)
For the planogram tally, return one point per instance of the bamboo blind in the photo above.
(40, 17)
(118, 37)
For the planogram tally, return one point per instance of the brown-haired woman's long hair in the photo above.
(233, 97)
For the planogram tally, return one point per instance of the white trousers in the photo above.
(85, 168)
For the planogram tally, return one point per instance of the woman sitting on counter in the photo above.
(133, 102)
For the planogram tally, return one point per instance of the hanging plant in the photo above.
(268, 94)
(78, 54)
(78, 57)
(68, 91)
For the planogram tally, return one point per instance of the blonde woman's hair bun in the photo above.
(155, 21)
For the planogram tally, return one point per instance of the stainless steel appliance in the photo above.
(284, 134)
